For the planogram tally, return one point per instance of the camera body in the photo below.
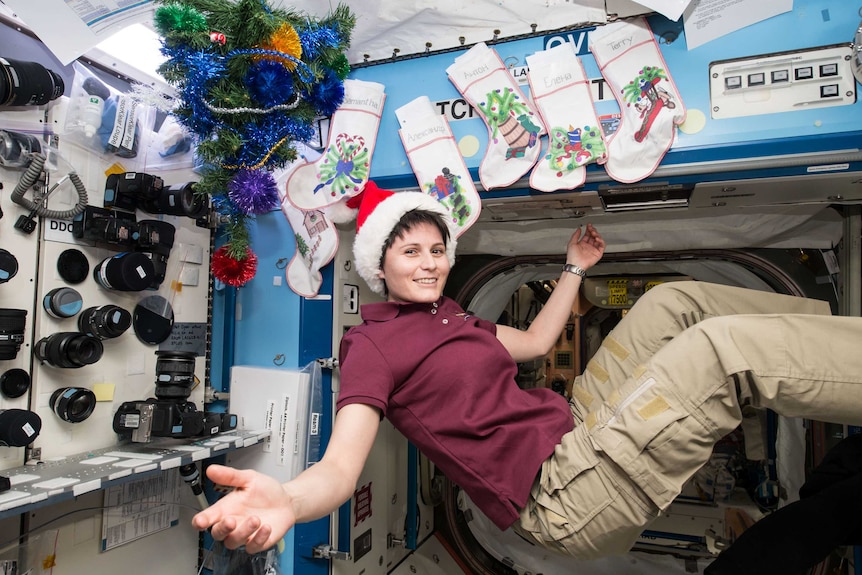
(130, 190)
(112, 229)
(154, 417)
(136, 190)
(170, 414)
(119, 230)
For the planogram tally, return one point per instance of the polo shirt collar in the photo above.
(387, 310)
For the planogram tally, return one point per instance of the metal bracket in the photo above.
(328, 362)
(327, 552)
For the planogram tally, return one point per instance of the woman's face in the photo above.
(415, 267)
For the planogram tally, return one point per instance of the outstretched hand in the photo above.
(257, 513)
(586, 247)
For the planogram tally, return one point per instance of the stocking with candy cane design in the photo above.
(436, 161)
(561, 90)
(631, 62)
(513, 125)
(343, 168)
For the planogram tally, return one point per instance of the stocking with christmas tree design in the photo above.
(513, 125)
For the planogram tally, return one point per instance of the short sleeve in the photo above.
(365, 375)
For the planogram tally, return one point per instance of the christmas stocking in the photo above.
(316, 244)
(343, 168)
(513, 126)
(631, 63)
(436, 161)
(561, 91)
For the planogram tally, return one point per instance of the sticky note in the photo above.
(104, 391)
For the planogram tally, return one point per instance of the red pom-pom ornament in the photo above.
(231, 271)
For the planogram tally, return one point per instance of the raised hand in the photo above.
(585, 247)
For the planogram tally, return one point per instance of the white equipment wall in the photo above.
(126, 370)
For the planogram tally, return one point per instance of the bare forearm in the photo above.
(582, 251)
(318, 491)
(552, 318)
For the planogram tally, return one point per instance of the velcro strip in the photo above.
(615, 347)
(614, 398)
(583, 396)
(595, 369)
(655, 406)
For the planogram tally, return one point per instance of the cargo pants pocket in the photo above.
(652, 437)
(569, 492)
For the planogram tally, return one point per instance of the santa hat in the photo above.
(379, 212)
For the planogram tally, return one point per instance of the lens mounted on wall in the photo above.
(72, 265)
(12, 322)
(73, 404)
(28, 83)
(17, 149)
(14, 382)
(104, 322)
(19, 427)
(177, 200)
(126, 271)
(175, 374)
(62, 302)
(8, 266)
(153, 319)
(69, 349)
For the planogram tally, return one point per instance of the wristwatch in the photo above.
(575, 269)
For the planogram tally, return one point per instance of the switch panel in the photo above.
(782, 82)
(350, 298)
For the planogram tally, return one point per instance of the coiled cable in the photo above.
(31, 176)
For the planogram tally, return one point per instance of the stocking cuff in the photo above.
(612, 40)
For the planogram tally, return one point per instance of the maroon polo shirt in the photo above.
(447, 384)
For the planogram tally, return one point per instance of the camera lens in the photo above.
(14, 383)
(8, 266)
(104, 322)
(175, 374)
(62, 302)
(19, 427)
(156, 238)
(16, 149)
(73, 404)
(28, 83)
(177, 200)
(73, 266)
(12, 322)
(69, 349)
(127, 271)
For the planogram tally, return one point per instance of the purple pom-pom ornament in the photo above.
(254, 191)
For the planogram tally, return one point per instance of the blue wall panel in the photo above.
(812, 23)
(268, 324)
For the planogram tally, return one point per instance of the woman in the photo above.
(584, 477)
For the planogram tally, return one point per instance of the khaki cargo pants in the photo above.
(665, 386)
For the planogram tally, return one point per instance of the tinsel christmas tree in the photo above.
(251, 81)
